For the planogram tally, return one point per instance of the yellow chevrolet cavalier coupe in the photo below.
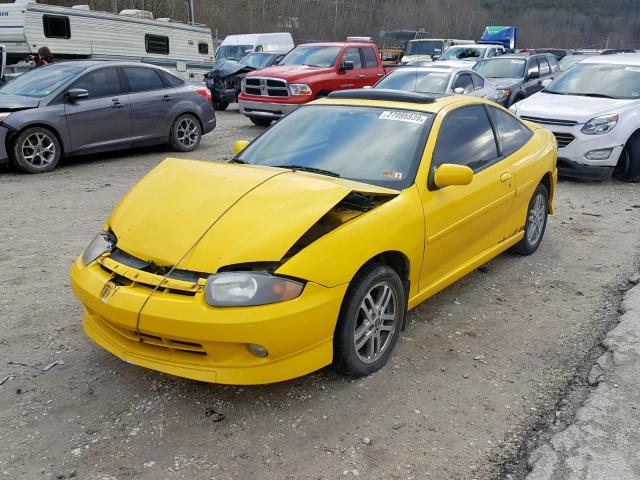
(309, 247)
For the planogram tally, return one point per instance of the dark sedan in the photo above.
(84, 107)
(518, 76)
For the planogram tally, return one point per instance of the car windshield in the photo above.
(433, 47)
(373, 145)
(416, 81)
(501, 68)
(232, 52)
(312, 56)
(462, 53)
(599, 80)
(256, 60)
(41, 81)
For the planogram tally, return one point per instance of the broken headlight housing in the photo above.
(244, 289)
(103, 243)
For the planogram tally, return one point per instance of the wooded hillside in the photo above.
(557, 23)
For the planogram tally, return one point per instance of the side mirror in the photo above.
(74, 94)
(239, 146)
(348, 65)
(546, 82)
(450, 174)
(534, 74)
(435, 57)
(458, 90)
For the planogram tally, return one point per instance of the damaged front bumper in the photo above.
(180, 334)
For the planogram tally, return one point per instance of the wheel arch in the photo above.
(14, 132)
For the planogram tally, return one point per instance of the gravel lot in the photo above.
(479, 367)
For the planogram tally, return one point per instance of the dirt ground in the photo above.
(476, 369)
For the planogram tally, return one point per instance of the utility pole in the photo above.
(335, 19)
(191, 11)
(114, 4)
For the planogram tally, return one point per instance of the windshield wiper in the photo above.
(596, 95)
(555, 93)
(309, 169)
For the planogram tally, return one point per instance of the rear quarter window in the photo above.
(512, 133)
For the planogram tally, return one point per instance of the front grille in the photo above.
(156, 341)
(563, 139)
(550, 121)
(266, 87)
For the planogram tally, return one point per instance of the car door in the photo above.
(544, 71)
(103, 119)
(356, 77)
(370, 63)
(512, 136)
(151, 100)
(463, 80)
(463, 223)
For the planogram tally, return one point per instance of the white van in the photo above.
(234, 47)
(428, 49)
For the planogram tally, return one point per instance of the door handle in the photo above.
(361, 75)
(166, 98)
(116, 103)
(505, 177)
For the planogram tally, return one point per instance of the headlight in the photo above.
(229, 289)
(300, 89)
(102, 243)
(600, 125)
(4, 115)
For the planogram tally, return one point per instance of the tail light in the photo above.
(205, 92)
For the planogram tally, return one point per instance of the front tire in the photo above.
(536, 222)
(370, 321)
(220, 105)
(260, 122)
(35, 150)
(628, 168)
(185, 133)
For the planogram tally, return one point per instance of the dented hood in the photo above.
(201, 216)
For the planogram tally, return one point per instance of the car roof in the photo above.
(338, 44)
(402, 100)
(98, 63)
(615, 59)
(435, 68)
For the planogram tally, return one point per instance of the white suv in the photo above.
(593, 110)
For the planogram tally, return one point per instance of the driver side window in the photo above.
(466, 138)
(353, 55)
(463, 81)
(104, 82)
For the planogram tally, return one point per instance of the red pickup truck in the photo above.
(307, 72)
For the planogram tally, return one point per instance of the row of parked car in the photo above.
(580, 98)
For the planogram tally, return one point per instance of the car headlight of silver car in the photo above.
(300, 89)
(103, 243)
(600, 125)
(244, 289)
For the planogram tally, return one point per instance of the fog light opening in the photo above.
(257, 350)
(600, 154)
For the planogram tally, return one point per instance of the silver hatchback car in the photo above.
(81, 107)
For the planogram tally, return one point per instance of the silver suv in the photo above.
(81, 107)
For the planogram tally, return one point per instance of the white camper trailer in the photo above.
(80, 33)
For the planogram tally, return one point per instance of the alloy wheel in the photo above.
(38, 150)
(187, 132)
(536, 219)
(376, 322)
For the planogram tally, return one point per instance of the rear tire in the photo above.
(628, 167)
(370, 321)
(185, 133)
(260, 122)
(536, 222)
(35, 150)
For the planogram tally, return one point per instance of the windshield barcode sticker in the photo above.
(404, 117)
